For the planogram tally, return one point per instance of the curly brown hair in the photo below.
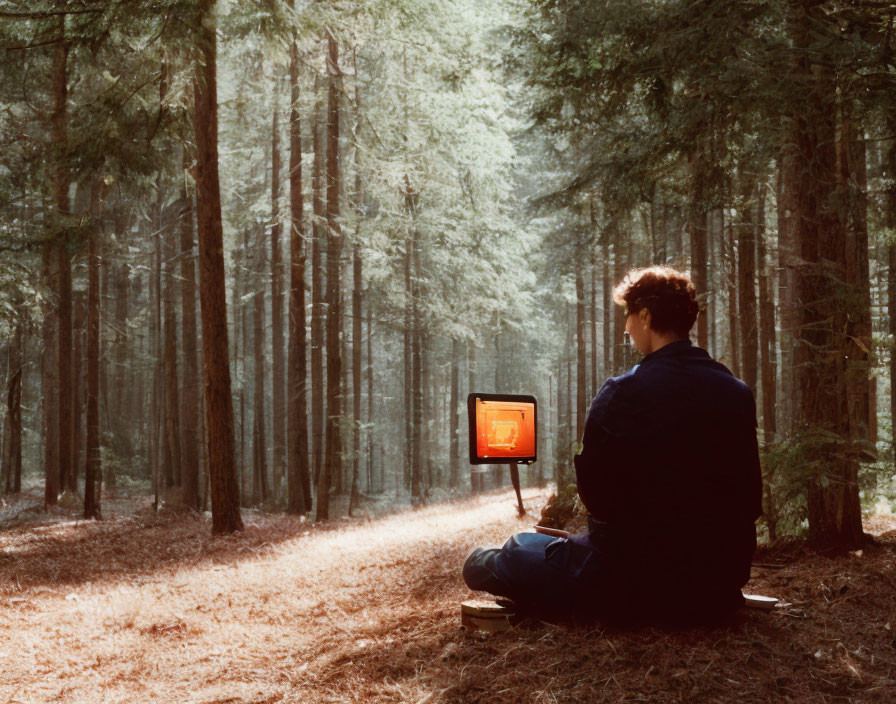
(667, 293)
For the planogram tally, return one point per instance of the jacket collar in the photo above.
(679, 347)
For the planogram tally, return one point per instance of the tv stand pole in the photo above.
(515, 479)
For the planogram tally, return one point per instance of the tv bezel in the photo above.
(471, 418)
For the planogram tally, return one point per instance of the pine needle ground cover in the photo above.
(149, 608)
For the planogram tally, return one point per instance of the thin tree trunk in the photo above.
(746, 271)
(454, 418)
(93, 472)
(581, 359)
(12, 449)
(595, 375)
(259, 438)
(607, 306)
(619, 270)
(80, 323)
(172, 382)
(212, 287)
(298, 476)
(278, 381)
(768, 356)
(63, 279)
(318, 233)
(733, 335)
(50, 379)
(698, 242)
(333, 459)
(371, 475)
(190, 389)
(357, 342)
(890, 218)
(785, 208)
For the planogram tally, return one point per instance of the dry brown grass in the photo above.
(147, 608)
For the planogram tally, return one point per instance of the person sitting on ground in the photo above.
(669, 474)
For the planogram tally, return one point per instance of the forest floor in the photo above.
(146, 607)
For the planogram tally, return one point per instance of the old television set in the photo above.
(502, 428)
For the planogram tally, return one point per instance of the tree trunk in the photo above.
(609, 313)
(417, 375)
(278, 381)
(834, 510)
(407, 357)
(890, 218)
(746, 271)
(93, 471)
(787, 300)
(259, 437)
(697, 235)
(767, 352)
(172, 383)
(595, 375)
(333, 459)
(357, 342)
(50, 379)
(12, 449)
(581, 359)
(727, 235)
(454, 418)
(190, 389)
(619, 271)
(63, 279)
(298, 478)
(80, 323)
(475, 474)
(318, 233)
(212, 287)
(371, 474)
(854, 193)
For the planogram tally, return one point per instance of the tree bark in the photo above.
(259, 437)
(768, 354)
(834, 510)
(61, 179)
(787, 300)
(854, 193)
(80, 323)
(50, 378)
(357, 342)
(172, 452)
(298, 477)
(190, 389)
(746, 271)
(454, 418)
(278, 381)
(93, 472)
(727, 235)
(12, 449)
(318, 233)
(333, 459)
(212, 286)
(698, 241)
(890, 219)
(581, 360)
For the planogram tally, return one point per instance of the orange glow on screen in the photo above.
(505, 429)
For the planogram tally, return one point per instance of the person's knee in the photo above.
(476, 572)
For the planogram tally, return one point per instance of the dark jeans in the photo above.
(554, 577)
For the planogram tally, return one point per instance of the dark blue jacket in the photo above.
(669, 471)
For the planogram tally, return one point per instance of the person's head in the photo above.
(660, 306)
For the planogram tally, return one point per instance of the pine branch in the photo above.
(48, 14)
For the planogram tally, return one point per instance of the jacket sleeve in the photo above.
(598, 463)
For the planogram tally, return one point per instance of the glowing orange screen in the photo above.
(505, 429)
